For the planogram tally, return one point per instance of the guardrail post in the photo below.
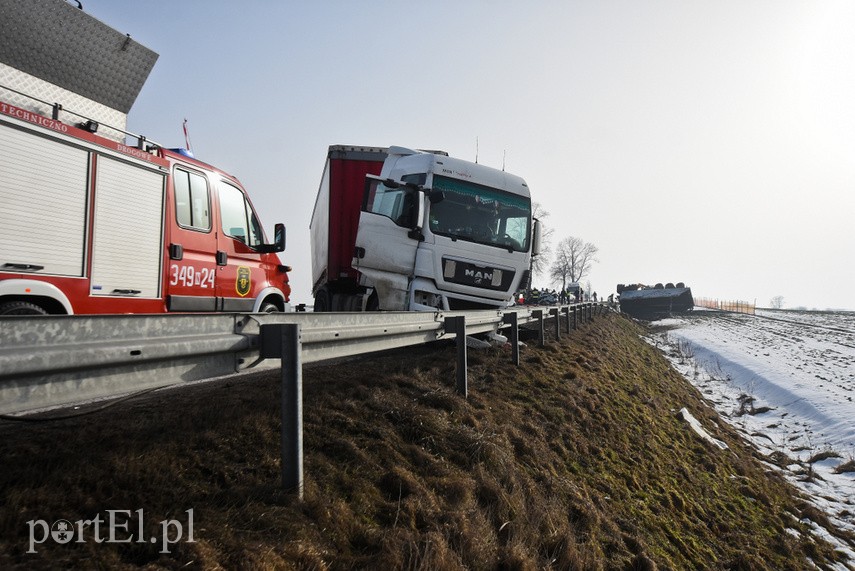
(538, 314)
(567, 316)
(554, 312)
(513, 319)
(458, 326)
(282, 341)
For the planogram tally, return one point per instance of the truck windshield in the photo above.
(481, 214)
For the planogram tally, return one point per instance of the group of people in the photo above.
(536, 296)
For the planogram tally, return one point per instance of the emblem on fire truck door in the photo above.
(243, 283)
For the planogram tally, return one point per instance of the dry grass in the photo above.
(846, 467)
(574, 460)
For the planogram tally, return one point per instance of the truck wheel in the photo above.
(322, 300)
(21, 308)
(373, 303)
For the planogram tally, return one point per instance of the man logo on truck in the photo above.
(478, 276)
(243, 283)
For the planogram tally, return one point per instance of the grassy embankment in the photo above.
(574, 460)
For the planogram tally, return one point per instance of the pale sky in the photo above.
(711, 143)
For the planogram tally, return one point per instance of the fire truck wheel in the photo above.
(268, 307)
(20, 308)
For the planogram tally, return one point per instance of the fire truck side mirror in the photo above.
(278, 244)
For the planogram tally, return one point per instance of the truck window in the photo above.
(239, 220)
(192, 201)
(394, 203)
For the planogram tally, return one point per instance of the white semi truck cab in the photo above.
(428, 232)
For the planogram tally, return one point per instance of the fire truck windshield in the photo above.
(481, 214)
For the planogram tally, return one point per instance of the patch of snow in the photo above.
(786, 381)
(475, 343)
(695, 425)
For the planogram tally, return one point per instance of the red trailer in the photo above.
(333, 229)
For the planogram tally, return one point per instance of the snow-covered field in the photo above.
(786, 380)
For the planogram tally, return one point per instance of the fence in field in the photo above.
(735, 306)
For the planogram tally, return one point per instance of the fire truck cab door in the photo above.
(387, 238)
(240, 275)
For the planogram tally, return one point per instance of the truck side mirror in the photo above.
(418, 213)
(436, 196)
(536, 238)
(278, 244)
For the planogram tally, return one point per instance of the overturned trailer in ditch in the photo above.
(655, 302)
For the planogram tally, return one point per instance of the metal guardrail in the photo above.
(54, 361)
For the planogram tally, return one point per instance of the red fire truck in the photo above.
(91, 223)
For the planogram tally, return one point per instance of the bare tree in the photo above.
(540, 263)
(573, 260)
(777, 302)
